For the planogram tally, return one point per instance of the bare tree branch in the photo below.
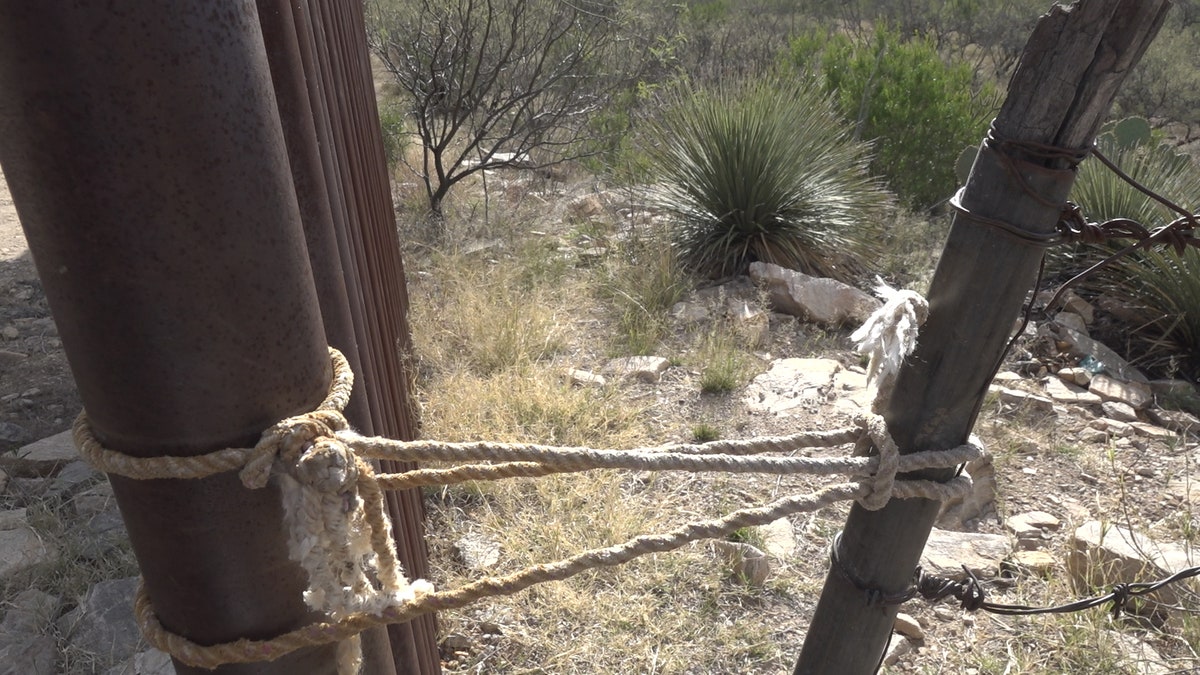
(500, 83)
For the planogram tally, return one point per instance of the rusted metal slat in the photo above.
(296, 116)
(332, 42)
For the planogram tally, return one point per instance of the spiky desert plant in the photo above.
(765, 170)
(1161, 287)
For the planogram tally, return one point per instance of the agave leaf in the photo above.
(766, 170)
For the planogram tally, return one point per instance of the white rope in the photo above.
(888, 336)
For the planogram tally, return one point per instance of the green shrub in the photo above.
(765, 171)
(395, 136)
(919, 109)
(705, 433)
(1161, 285)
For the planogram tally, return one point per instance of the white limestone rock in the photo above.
(648, 369)
(792, 383)
(946, 552)
(817, 299)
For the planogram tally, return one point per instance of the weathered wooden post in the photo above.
(1061, 92)
(146, 160)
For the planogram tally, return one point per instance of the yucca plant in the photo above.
(1161, 285)
(765, 170)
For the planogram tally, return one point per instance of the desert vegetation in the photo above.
(578, 183)
(700, 137)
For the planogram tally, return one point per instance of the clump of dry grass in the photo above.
(491, 339)
(482, 317)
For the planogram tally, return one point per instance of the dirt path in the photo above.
(37, 394)
(12, 240)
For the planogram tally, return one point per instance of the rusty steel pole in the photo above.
(148, 167)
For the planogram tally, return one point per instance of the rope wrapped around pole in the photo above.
(333, 504)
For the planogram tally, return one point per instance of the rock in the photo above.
(1116, 410)
(26, 648)
(1007, 377)
(41, 458)
(748, 563)
(1090, 435)
(792, 383)
(896, 650)
(12, 434)
(1135, 394)
(1176, 395)
(752, 325)
(103, 623)
(586, 206)
(946, 552)
(907, 626)
(1075, 375)
(71, 478)
(853, 395)
(1137, 656)
(585, 378)
(1153, 432)
(457, 642)
(12, 519)
(30, 613)
(778, 538)
(33, 656)
(149, 662)
(1184, 490)
(1080, 346)
(8, 358)
(1113, 427)
(1076, 305)
(20, 547)
(3, 481)
(1064, 392)
(962, 513)
(647, 369)
(1101, 555)
(10, 332)
(1175, 420)
(95, 499)
(944, 613)
(690, 312)
(1029, 563)
(106, 531)
(1072, 321)
(1023, 399)
(820, 300)
(478, 551)
(1030, 528)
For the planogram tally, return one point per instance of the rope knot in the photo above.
(288, 441)
(883, 480)
(327, 466)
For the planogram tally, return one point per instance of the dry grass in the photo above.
(494, 336)
(495, 331)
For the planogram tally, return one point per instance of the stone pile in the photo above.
(42, 632)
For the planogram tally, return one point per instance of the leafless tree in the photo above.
(499, 83)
